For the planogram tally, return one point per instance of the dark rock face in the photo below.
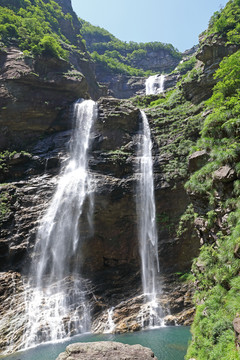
(112, 162)
(109, 257)
(170, 81)
(122, 86)
(106, 349)
(33, 94)
(175, 252)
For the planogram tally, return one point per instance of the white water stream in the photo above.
(147, 230)
(56, 302)
(155, 84)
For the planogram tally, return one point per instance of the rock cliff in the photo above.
(110, 256)
(199, 84)
(35, 115)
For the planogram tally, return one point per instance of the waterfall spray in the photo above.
(155, 84)
(56, 302)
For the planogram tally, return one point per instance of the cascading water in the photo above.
(155, 84)
(110, 325)
(56, 301)
(147, 231)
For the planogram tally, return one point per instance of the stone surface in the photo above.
(122, 86)
(197, 160)
(236, 325)
(106, 350)
(33, 95)
(135, 313)
(210, 53)
(225, 174)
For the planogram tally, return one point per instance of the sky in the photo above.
(178, 22)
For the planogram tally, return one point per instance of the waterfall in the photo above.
(110, 325)
(147, 230)
(155, 84)
(56, 301)
(147, 211)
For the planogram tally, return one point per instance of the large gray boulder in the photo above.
(106, 350)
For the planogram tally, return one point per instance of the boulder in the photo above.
(106, 350)
(197, 160)
(236, 325)
(224, 174)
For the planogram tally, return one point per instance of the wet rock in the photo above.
(106, 350)
(139, 312)
(122, 86)
(27, 199)
(170, 320)
(19, 158)
(186, 317)
(11, 308)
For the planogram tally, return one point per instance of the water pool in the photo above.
(168, 343)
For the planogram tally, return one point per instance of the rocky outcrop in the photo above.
(33, 94)
(122, 86)
(106, 349)
(225, 174)
(236, 326)
(211, 52)
(136, 312)
(197, 160)
(161, 61)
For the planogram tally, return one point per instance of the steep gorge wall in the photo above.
(35, 99)
(109, 256)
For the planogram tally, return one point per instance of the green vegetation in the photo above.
(101, 40)
(4, 205)
(115, 65)
(218, 266)
(186, 219)
(186, 277)
(226, 22)
(177, 123)
(118, 56)
(34, 27)
(5, 158)
(7, 197)
(185, 66)
(94, 34)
